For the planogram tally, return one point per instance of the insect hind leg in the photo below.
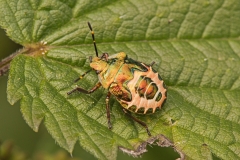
(138, 121)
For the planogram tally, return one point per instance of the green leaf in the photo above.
(195, 45)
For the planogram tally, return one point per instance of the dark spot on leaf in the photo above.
(173, 121)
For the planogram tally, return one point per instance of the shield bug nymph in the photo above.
(135, 85)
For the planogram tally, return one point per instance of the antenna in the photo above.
(94, 42)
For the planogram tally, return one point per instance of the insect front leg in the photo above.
(138, 121)
(108, 110)
(79, 89)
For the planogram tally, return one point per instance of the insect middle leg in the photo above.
(138, 121)
(79, 89)
(108, 110)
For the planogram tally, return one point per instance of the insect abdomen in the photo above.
(147, 91)
(146, 88)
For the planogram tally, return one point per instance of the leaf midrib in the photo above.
(146, 41)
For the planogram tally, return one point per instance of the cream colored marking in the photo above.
(143, 102)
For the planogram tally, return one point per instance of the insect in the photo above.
(135, 85)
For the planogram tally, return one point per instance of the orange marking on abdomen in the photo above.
(142, 101)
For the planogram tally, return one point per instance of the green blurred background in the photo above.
(31, 145)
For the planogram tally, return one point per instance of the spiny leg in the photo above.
(108, 110)
(138, 121)
(80, 77)
(85, 91)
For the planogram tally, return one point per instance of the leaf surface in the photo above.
(195, 45)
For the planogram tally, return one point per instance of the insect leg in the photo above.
(108, 110)
(138, 121)
(85, 91)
